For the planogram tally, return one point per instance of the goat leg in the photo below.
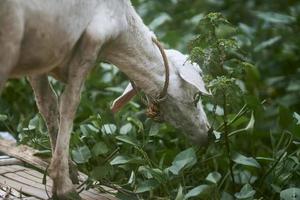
(47, 104)
(83, 60)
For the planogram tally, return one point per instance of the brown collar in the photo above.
(152, 103)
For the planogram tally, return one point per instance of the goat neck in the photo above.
(135, 54)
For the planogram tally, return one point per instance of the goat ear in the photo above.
(192, 75)
(122, 100)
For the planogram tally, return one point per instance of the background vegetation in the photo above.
(252, 67)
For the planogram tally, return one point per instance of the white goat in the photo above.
(65, 39)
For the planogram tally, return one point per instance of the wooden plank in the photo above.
(26, 174)
(33, 178)
(96, 193)
(95, 196)
(23, 153)
(29, 181)
(31, 191)
(13, 194)
(8, 194)
(24, 181)
(31, 174)
(34, 173)
(8, 170)
(37, 182)
(85, 196)
(27, 155)
(22, 176)
(3, 193)
(4, 157)
(17, 194)
(10, 161)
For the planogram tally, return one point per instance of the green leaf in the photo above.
(81, 155)
(214, 177)
(154, 129)
(297, 117)
(100, 172)
(128, 140)
(252, 74)
(86, 129)
(137, 123)
(155, 173)
(276, 188)
(197, 191)
(265, 159)
(225, 31)
(121, 160)
(226, 196)
(180, 195)
(35, 123)
(3, 117)
(244, 176)
(243, 160)
(183, 160)
(277, 18)
(145, 172)
(146, 186)
(126, 129)
(100, 148)
(251, 123)
(290, 194)
(267, 43)
(108, 129)
(246, 193)
(132, 178)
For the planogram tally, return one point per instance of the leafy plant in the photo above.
(251, 66)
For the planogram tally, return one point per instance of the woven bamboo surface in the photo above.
(18, 181)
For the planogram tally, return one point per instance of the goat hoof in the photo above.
(73, 171)
(72, 195)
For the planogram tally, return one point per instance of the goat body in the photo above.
(44, 35)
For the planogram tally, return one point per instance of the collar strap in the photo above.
(163, 93)
(152, 103)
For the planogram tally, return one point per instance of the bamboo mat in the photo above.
(18, 181)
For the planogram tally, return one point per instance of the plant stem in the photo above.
(8, 128)
(282, 155)
(227, 145)
(111, 155)
(236, 117)
(145, 155)
(243, 111)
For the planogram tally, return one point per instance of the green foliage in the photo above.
(183, 160)
(250, 58)
(246, 192)
(81, 155)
